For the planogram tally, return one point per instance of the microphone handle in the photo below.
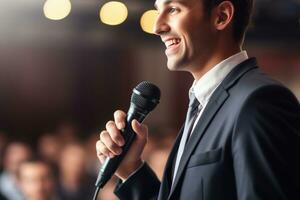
(110, 165)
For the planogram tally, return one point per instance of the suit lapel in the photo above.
(212, 107)
(215, 103)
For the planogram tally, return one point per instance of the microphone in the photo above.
(144, 98)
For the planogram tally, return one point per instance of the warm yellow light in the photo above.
(147, 20)
(57, 9)
(113, 13)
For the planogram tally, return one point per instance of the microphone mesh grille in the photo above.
(146, 97)
(148, 90)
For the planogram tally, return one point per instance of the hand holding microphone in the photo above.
(111, 142)
(121, 144)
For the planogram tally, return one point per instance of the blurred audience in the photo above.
(158, 148)
(158, 160)
(66, 169)
(49, 146)
(14, 155)
(67, 132)
(74, 184)
(92, 164)
(36, 180)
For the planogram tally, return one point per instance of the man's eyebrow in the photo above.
(165, 2)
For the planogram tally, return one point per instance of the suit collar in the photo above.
(218, 98)
(238, 72)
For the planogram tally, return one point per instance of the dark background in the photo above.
(80, 70)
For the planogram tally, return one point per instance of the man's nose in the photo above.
(161, 26)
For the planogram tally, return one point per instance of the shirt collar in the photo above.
(205, 86)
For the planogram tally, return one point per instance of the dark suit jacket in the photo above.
(246, 146)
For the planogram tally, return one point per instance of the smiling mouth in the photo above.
(172, 46)
(172, 42)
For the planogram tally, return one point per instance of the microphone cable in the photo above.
(96, 193)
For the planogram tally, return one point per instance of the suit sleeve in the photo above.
(143, 185)
(266, 146)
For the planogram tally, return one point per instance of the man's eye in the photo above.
(173, 10)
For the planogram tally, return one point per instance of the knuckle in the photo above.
(111, 145)
(109, 124)
(104, 150)
(103, 135)
(116, 137)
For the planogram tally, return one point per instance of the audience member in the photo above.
(37, 180)
(49, 146)
(74, 184)
(14, 155)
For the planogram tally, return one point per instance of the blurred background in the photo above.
(66, 66)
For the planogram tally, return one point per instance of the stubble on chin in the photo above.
(174, 64)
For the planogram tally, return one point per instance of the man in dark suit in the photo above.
(241, 137)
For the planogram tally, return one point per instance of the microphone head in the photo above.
(145, 96)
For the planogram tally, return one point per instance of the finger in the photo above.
(115, 133)
(120, 118)
(102, 158)
(113, 148)
(140, 129)
(101, 149)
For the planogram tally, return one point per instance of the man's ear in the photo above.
(223, 15)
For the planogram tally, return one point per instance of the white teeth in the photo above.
(171, 42)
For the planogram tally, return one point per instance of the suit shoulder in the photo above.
(256, 85)
(267, 101)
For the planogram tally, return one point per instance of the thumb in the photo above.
(141, 130)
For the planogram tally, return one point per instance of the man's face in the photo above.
(187, 33)
(36, 181)
(15, 154)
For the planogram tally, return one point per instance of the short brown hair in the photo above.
(241, 18)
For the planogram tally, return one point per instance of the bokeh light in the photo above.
(57, 9)
(113, 13)
(147, 20)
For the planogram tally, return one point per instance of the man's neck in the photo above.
(214, 59)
